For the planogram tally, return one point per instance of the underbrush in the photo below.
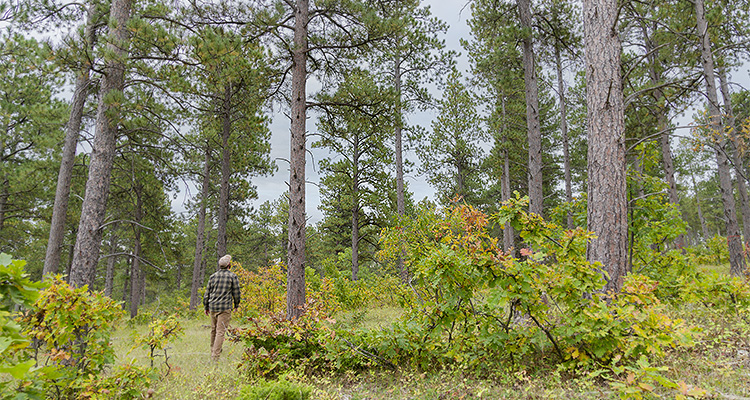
(473, 322)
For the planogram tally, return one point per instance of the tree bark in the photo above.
(662, 121)
(136, 281)
(64, 177)
(564, 133)
(111, 261)
(295, 297)
(69, 266)
(607, 194)
(704, 226)
(4, 195)
(509, 234)
(734, 243)
(731, 122)
(197, 280)
(178, 278)
(399, 156)
(86, 253)
(125, 285)
(536, 191)
(226, 170)
(355, 208)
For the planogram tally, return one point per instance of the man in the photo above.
(222, 296)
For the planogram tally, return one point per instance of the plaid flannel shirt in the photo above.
(223, 292)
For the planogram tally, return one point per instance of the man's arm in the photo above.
(236, 291)
(207, 297)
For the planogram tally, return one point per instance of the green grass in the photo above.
(192, 374)
(719, 363)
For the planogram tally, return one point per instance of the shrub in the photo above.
(161, 332)
(281, 389)
(126, 382)
(16, 290)
(262, 292)
(718, 291)
(275, 345)
(475, 305)
(71, 331)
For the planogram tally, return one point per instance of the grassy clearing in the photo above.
(192, 376)
(719, 363)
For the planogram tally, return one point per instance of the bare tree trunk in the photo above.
(64, 177)
(86, 253)
(564, 132)
(654, 69)
(536, 190)
(197, 281)
(178, 278)
(4, 195)
(111, 261)
(125, 285)
(398, 138)
(355, 208)
(736, 259)
(398, 141)
(136, 281)
(509, 234)
(355, 240)
(607, 194)
(731, 122)
(69, 266)
(226, 131)
(295, 296)
(704, 226)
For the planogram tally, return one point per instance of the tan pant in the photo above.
(219, 325)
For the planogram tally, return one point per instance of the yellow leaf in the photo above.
(646, 386)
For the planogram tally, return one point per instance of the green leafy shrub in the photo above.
(717, 291)
(275, 345)
(71, 331)
(280, 389)
(160, 333)
(654, 226)
(16, 290)
(474, 305)
(717, 251)
(126, 382)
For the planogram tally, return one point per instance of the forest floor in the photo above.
(719, 363)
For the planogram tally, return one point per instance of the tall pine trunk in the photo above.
(654, 72)
(4, 196)
(136, 274)
(226, 170)
(72, 129)
(564, 133)
(399, 156)
(734, 243)
(295, 287)
(355, 208)
(509, 234)
(607, 194)
(197, 281)
(731, 123)
(704, 226)
(86, 253)
(536, 191)
(111, 261)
